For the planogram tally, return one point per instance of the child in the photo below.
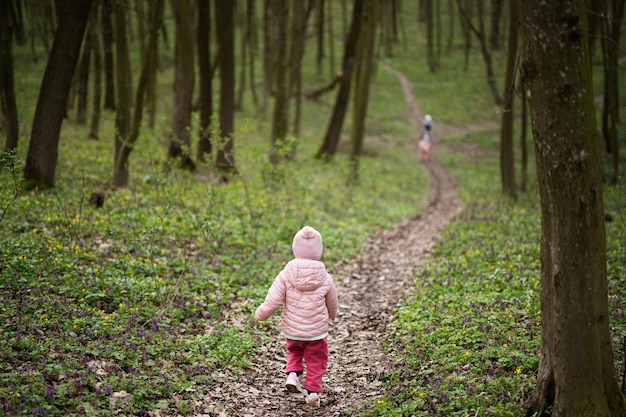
(424, 144)
(309, 298)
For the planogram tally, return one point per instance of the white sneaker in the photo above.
(293, 382)
(313, 399)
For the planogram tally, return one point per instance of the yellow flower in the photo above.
(505, 345)
(467, 353)
(518, 371)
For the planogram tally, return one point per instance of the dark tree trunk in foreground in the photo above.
(576, 374)
(7, 89)
(331, 139)
(42, 156)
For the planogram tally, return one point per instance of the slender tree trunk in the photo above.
(251, 32)
(83, 81)
(300, 20)
(465, 15)
(7, 81)
(280, 10)
(364, 70)
(42, 154)
(107, 43)
(507, 156)
(97, 72)
(320, 35)
(576, 375)
(333, 132)
(132, 125)
(124, 85)
(484, 48)
(523, 137)
(611, 33)
(180, 144)
(496, 14)
(203, 44)
(225, 39)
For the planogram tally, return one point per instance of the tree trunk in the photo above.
(484, 47)
(523, 137)
(465, 16)
(97, 72)
(42, 154)
(132, 126)
(507, 156)
(251, 33)
(107, 46)
(320, 35)
(280, 11)
(576, 375)
(83, 81)
(364, 70)
(7, 80)
(300, 19)
(124, 85)
(331, 139)
(611, 31)
(180, 143)
(496, 13)
(225, 39)
(203, 45)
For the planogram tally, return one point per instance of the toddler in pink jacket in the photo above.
(309, 298)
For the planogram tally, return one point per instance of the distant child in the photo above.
(308, 295)
(424, 144)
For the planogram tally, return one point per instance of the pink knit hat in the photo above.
(307, 244)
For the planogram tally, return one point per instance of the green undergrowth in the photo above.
(467, 341)
(128, 307)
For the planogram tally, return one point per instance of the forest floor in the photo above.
(371, 288)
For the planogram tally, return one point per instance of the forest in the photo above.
(159, 156)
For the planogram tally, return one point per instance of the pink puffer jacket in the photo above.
(309, 298)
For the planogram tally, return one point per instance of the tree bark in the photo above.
(225, 39)
(42, 153)
(507, 155)
(107, 47)
(82, 91)
(280, 11)
(203, 45)
(611, 31)
(180, 143)
(97, 72)
(7, 80)
(484, 47)
(364, 70)
(576, 375)
(131, 126)
(124, 85)
(331, 139)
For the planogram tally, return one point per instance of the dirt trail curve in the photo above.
(370, 288)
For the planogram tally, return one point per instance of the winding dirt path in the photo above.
(370, 289)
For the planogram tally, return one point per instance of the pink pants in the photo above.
(315, 354)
